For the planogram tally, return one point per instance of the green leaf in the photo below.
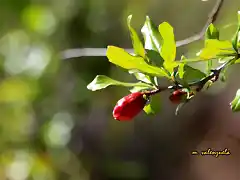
(193, 60)
(168, 49)
(236, 40)
(101, 82)
(191, 74)
(136, 42)
(237, 61)
(140, 76)
(140, 88)
(155, 58)
(151, 35)
(209, 66)
(120, 57)
(155, 79)
(207, 85)
(212, 32)
(139, 50)
(181, 68)
(154, 106)
(236, 37)
(214, 48)
(235, 104)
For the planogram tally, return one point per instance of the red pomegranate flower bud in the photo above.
(178, 96)
(129, 106)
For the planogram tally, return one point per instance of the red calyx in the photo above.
(129, 106)
(177, 96)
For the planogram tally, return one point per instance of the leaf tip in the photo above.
(90, 87)
(109, 46)
(147, 18)
(129, 17)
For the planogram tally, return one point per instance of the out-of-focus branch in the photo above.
(80, 52)
(211, 19)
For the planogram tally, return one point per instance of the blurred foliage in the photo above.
(50, 124)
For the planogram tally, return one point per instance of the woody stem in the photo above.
(199, 84)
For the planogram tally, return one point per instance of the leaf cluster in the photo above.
(155, 58)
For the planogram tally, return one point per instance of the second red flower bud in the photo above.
(178, 96)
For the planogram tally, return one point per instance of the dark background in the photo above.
(53, 127)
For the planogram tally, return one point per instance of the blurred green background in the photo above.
(53, 128)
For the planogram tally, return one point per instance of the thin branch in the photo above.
(211, 19)
(81, 52)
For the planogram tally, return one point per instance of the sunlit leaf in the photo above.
(237, 61)
(236, 37)
(209, 66)
(136, 42)
(215, 47)
(140, 76)
(120, 57)
(168, 49)
(235, 104)
(139, 50)
(238, 17)
(154, 105)
(191, 74)
(212, 32)
(140, 88)
(101, 82)
(151, 35)
(181, 68)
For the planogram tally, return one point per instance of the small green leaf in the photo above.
(120, 57)
(140, 88)
(101, 82)
(181, 68)
(193, 60)
(215, 47)
(236, 37)
(225, 59)
(212, 32)
(235, 104)
(209, 66)
(191, 74)
(207, 85)
(155, 58)
(155, 79)
(140, 76)
(154, 105)
(139, 50)
(168, 49)
(151, 35)
(136, 42)
(237, 61)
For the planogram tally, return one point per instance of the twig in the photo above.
(211, 19)
(81, 52)
(198, 85)
(214, 75)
